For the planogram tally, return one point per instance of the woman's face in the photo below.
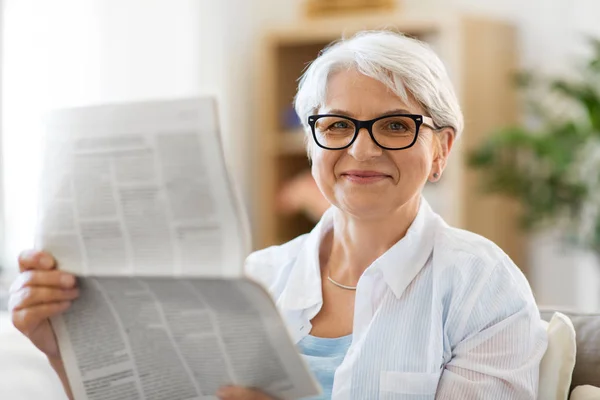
(365, 180)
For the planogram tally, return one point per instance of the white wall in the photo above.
(1, 111)
(563, 276)
(77, 52)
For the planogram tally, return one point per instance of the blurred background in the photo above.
(525, 173)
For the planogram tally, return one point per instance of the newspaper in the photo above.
(136, 201)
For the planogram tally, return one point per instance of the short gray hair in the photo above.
(399, 62)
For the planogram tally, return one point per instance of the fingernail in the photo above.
(46, 261)
(67, 280)
(26, 255)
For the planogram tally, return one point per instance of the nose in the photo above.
(364, 147)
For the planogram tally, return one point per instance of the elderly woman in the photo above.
(383, 298)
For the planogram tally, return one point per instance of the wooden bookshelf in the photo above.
(480, 55)
(292, 142)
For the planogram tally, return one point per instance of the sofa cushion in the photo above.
(557, 365)
(587, 328)
(585, 392)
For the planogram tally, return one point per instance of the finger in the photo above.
(52, 278)
(35, 259)
(34, 296)
(23, 320)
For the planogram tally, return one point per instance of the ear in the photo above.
(443, 142)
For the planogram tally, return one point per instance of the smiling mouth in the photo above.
(364, 176)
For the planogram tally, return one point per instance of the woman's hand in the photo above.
(241, 393)
(40, 292)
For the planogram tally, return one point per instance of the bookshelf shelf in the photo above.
(292, 143)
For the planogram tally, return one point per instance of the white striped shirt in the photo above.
(443, 314)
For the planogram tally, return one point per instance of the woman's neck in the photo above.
(354, 243)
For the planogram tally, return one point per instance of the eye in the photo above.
(340, 125)
(396, 126)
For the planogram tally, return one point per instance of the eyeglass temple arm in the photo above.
(429, 122)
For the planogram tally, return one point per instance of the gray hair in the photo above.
(399, 62)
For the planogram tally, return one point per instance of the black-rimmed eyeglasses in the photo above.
(390, 132)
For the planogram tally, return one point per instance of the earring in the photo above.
(436, 175)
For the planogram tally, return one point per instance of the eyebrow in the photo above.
(349, 114)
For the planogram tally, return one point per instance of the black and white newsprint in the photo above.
(136, 201)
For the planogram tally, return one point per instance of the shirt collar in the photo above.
(404, 260)
(303, 287)
(399, 265)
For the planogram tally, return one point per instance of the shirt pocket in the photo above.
(409, 383)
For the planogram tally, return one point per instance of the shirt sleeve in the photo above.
(499, 345)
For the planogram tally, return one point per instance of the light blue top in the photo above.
(324, 356)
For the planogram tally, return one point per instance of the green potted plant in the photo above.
(551, 165)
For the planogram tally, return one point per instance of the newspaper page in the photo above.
(140, 189)
(178, 339)
(135, 199)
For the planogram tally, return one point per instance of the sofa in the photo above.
(587, 336)
(26, 375)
